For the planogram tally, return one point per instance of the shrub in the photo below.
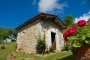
(13, 40)
(51, 49)
(66, 47)
(3, 47)
(41, 45)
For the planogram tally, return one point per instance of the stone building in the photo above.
(43, 23)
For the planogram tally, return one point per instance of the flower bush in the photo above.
(78, 35)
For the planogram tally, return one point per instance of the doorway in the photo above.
(53, 39)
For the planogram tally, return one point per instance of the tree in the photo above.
(3, 33)
(68, 20)
(7, 33)
(12, 33)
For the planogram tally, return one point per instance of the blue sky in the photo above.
(15, 12)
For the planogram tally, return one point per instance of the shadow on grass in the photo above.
(70, 57)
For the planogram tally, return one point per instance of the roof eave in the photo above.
(44, 16)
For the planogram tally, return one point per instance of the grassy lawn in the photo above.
(10, 47)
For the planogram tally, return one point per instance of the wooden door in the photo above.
(53, 40)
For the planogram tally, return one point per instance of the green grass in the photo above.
(61, 56)
(11, 47)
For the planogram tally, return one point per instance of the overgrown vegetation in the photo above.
(41, 45)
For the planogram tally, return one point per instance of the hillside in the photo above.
(10, 48)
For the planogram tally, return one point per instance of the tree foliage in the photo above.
(7, 33)
(68, 20)
(3, 33)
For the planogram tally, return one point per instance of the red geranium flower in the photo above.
(69, 32)
(72, 30)
(65, 35)
(81, 23)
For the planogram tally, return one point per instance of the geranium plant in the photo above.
(77, 35)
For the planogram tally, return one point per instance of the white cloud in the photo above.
(51, 6)
(89, 12)
(85, 16)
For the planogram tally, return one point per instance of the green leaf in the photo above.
(83, 37)
(86, 41)
(75, 45)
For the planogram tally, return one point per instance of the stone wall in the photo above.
(26, 40)
(49, 26)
